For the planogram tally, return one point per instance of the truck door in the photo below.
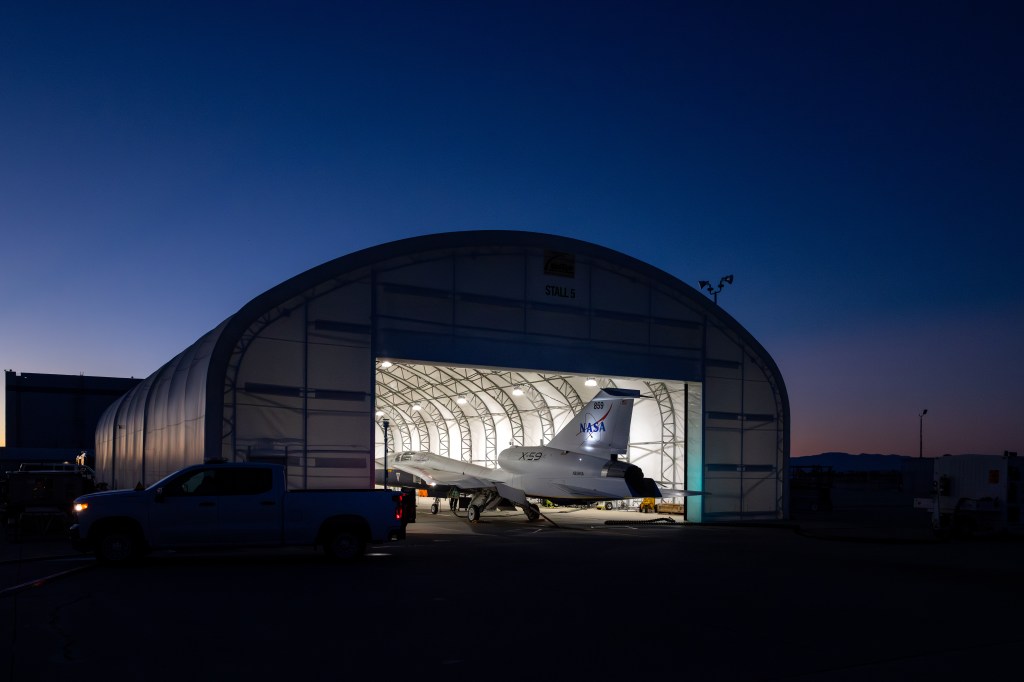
(250, 507)
(185, 513)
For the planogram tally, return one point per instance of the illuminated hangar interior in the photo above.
(471, 414)
(466, 343)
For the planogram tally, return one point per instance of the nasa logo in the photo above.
(591, 428)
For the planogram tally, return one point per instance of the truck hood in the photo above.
(125, 495)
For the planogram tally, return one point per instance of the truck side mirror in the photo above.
(159, 494)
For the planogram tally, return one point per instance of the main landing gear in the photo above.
(485, 500)
(473, 511)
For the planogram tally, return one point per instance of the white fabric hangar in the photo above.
(466, 343)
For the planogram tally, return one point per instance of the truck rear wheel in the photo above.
(343, 543)
(118, 545)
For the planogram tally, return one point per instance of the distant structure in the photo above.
(53, 417)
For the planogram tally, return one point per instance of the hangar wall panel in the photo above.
(162, 436)
(744, 448)
(302, 390)
(159, 426)
(490, 314)
(566, 324)
(132, 430)
(499, 276)
(561, 322)
(622, 294)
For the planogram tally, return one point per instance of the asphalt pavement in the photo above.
(580, 594)
(50, 541)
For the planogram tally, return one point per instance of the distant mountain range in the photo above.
(844, 461)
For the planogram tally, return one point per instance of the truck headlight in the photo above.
(80, 507)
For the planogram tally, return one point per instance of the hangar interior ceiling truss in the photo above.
(473, 413)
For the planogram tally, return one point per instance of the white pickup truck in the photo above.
(220, 505)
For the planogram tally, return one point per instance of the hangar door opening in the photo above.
(472, 413)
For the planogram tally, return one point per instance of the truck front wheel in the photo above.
(343, 543)
(118, 545)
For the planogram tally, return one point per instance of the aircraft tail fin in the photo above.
(602, 428)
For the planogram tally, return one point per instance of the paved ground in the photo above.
(829, 598)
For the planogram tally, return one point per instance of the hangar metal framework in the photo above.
(466, 343)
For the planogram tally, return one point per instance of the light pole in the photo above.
(705, 284)
(920, 435)
(384, 423)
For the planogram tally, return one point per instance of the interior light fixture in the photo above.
(518, 390)
(379, 414)
(416, 407)
(590, 382)
(461, 400)
(385, 364)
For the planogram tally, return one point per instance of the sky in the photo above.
(856, 166)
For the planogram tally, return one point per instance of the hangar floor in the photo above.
(856, 516)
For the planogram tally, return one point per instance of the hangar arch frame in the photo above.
(293, 376)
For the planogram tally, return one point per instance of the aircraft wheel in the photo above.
(473, 512)
(434, 508)
(532, 513)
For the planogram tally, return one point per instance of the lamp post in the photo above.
(920, 435)
(384, 423)
(705, 284)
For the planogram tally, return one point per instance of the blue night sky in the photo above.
(856, 166)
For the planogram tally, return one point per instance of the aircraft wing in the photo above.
(575, 491)
(441, 477)
(678, 492)
(580, 492)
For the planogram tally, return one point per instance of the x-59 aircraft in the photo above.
(578, 465)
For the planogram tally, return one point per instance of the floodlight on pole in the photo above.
(713, 290)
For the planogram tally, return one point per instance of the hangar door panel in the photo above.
(742, 449)
(338, 433)
(303, 392)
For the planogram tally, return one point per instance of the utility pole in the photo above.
(920, 435)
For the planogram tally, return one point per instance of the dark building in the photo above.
(52, 415)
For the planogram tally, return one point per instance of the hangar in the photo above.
(465, 343)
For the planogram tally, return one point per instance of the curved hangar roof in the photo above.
(466, 342)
